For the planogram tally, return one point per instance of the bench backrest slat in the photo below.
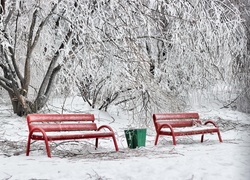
(171, 116)
(176, 119)
(59, 117)
(62, 122)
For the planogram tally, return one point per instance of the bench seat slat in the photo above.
(189, 130)
(178, 123)
(73, 136)
(59, 117)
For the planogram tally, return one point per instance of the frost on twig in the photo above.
(12, 148)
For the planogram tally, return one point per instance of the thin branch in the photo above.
(40, 27)
(52, 79)
(7, 88)
(234, 100)
(9, 15)
(7, 81)
(32, 43)
(26, 82)
(45, 82)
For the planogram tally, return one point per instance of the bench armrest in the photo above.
(165, 126)
(38, 129)
(105, 127)
(210, 122)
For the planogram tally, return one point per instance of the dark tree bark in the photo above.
(2, 10)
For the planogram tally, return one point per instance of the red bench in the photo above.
(52, 127)
(182, 124)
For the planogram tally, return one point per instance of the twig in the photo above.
(233, 101)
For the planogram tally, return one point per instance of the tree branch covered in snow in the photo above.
(145, 56)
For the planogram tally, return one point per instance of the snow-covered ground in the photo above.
(189, 159)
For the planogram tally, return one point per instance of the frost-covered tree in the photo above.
(33, 38)
(204, 46)
(242, 99)
(149, 55)
(144, 55)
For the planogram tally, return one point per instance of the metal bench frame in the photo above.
(174, 124)
(80, 126)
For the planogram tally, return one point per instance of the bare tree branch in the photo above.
(50, 70)
(32, 43)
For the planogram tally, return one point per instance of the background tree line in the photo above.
(145, 56)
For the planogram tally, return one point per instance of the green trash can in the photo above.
(135, 137)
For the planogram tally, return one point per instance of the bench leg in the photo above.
(156, 139)
(115, 143)
(28, 146)
(96, 143)
(114, 140)
(219, 136)
(220, 139)
(174, 140)
(47, 146)
(45, 140)
(202, 138)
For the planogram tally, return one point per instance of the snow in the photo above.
(189, 129)
(189, 159)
